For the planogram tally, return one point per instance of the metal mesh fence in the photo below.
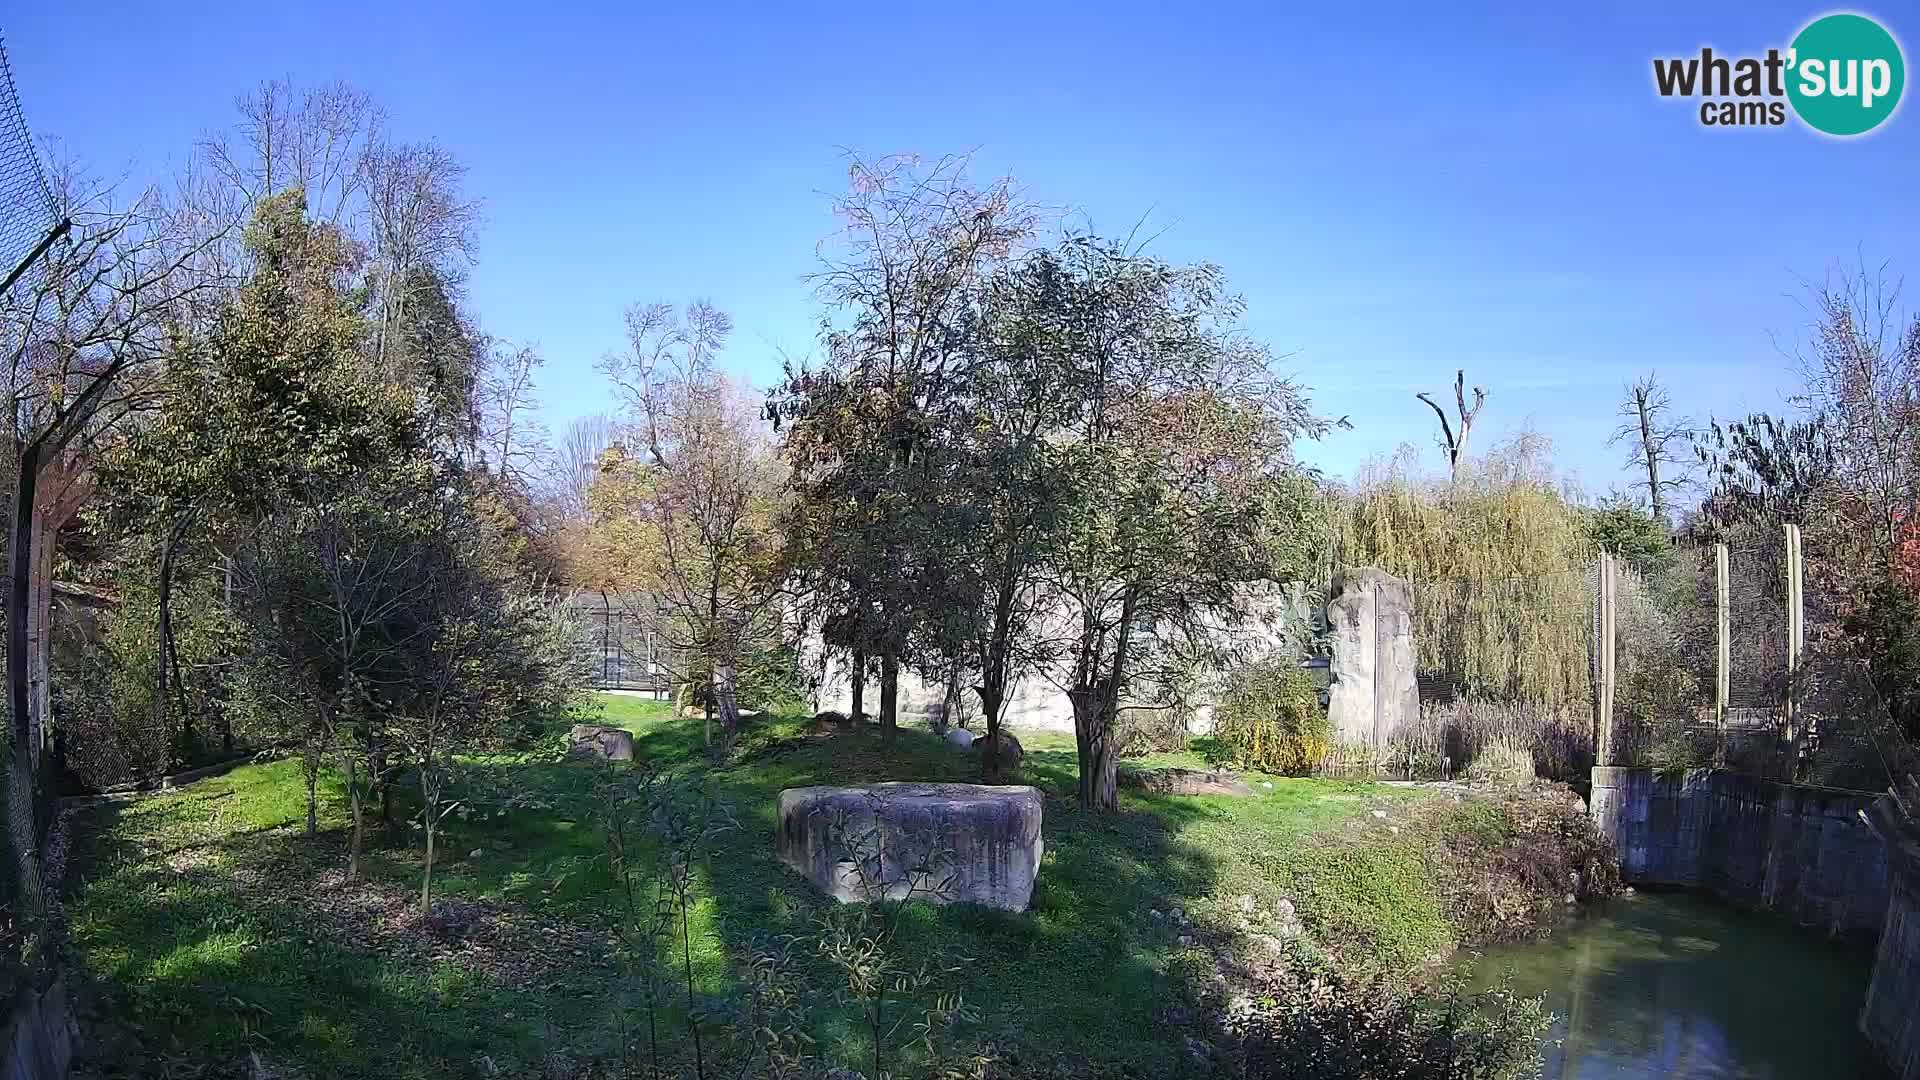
(621, 644)
(1511, 674)
(28, 213)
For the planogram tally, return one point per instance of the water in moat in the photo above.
(1676, 985)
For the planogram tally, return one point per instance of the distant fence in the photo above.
(1706, 659)
(622, 646)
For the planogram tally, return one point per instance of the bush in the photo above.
(1140, 730)
(1498, 740)
(1270, 719)
(1308, 1022)
(768, 678)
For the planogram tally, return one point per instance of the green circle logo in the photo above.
(1845, 74)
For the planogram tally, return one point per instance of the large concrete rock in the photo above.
(599, 740)
(1373, 693)
(948, 843)
(1005, 750)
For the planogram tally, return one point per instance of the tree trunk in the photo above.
(1650, 450)
(990, 700)
(25, 722)
(430, 821)
(859, 683)
(163, 631)
(61, 484)
(310, 763)
(1096, 701)
(1100, 785)
(24, 790)
(426, 870)
(722, 697)
(24, 840)
(40, 631)
(889, 692)
(350, 766)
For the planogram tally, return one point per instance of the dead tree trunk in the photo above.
(1456, 445)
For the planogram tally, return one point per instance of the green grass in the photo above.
(211, 967)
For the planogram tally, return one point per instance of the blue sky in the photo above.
(1397, 189)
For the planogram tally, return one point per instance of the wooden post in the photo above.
(1603, 750)
(1723, 622)
(1796, 638)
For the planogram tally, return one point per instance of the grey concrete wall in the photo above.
(1374, 692)
(37, 1042)
(1800, 851)
(1890, 1018)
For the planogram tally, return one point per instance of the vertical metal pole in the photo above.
(1723, 629)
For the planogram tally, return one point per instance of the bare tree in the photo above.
(417, 222)
(1861, 365)
(513, 439)
(576, 460)
(706, 486)
(1657, 442)
(1456, 444)
(316, 140)
(101, 306)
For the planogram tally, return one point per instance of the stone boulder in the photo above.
(1183, 781)
(948, 843)
(1373, 695)
(600, 740)
(1003, 746)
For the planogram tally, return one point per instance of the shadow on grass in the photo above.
(1084, 974)
(210, 961)
(206, 968)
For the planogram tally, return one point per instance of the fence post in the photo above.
(1723, 623)
(1796, 639)
(1603, 750)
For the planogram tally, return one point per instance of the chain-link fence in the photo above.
(28, 213)
(28, 223)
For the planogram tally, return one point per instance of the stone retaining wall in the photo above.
(1803, 852)
(37, 1042)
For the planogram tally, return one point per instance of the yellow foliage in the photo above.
(1499, 563)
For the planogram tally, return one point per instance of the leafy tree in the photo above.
(1626, 531)
(900, 281)
(1181, 432)
(702, 489)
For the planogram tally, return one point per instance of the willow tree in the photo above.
(1180, 434)
(1499, 563)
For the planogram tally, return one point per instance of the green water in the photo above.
(1668, 985)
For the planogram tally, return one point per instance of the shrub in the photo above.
(1141, 730)
(1504, 740)
(1307, 1021)
(1506, 862)
(768, 678)
(1270, 718)
(1502, 763)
